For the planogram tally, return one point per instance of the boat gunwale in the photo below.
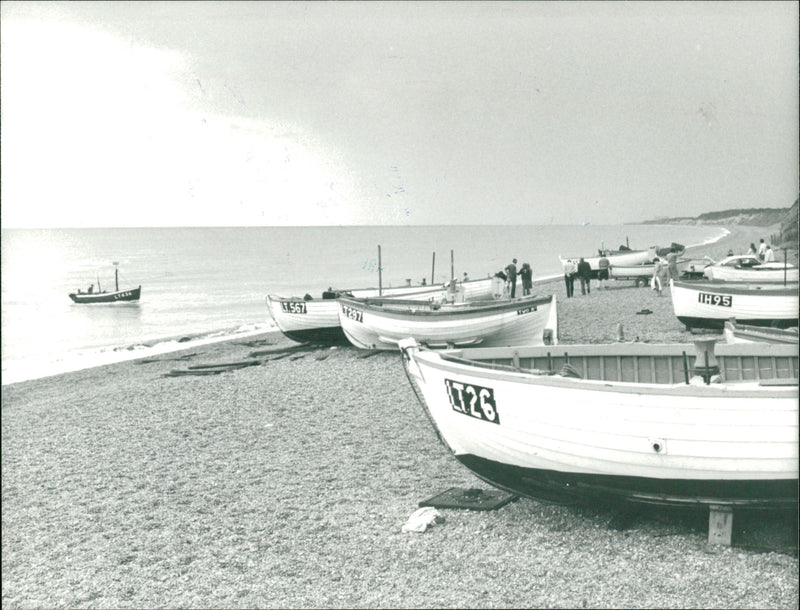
(738, 288)
(455, 313)
(449, 361)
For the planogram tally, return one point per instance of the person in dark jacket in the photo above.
(585, 274)
(526, 273)
(511, 273)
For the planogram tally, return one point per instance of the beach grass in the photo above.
(285, 484)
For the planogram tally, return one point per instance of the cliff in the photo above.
(760, 217)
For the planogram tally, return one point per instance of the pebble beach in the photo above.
(285, 484)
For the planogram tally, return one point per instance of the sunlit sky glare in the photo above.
(289, 113)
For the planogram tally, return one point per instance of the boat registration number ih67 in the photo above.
(472, 400)
(721, 300)
(293, 306)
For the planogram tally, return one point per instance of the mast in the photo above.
(116, 275)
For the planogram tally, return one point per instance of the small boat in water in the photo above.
(381, 324)
(748, 268)
(710, 304)
(101, 296)
(620, 423)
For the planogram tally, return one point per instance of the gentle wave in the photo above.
(35, 368)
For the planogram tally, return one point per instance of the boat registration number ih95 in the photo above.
(721, 300)
(293, 306)
(352, 313)
(472, 400)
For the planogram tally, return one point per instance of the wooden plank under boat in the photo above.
(382, 324)
(710, 304)
(620, 423)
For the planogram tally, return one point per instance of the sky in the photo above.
(144, 114)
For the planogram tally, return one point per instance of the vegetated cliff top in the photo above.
(760, 217)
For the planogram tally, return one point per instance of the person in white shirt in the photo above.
(762, 249)
(769, 255)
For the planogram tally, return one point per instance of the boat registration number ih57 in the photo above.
(472, 400)
(721, 300)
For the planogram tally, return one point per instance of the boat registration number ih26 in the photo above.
(293, 306)
(721, 300)
(472, 400)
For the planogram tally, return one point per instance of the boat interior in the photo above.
(767, 364)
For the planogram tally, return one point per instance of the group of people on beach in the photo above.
(582, 271)
(664, 269)
(764, 252)
(506, 280)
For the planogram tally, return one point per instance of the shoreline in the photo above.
(715, 248)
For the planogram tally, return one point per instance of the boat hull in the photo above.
(741, 333)
(566, 488)
(509, 322)
(564, 438)
(107, 297)
(317, 320)
(312, 321)
(634, 257)
(755, 275)
(709, 305)
(643, 272)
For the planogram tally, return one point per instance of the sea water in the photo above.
(208, 284)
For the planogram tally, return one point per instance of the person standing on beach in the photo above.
(672, 264)
(602, 274)
(569, 275)
(511, 274)
(526, 273)
(655, 282)
(585, 275)
(762, 250)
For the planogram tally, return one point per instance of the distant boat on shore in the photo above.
(642, 273)
(620, 423)
(622, 257)
(101, 296)
(749, 268)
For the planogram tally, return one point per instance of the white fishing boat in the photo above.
(382, 324)
(642, 273)
(743, 333)
(316, 320)
(748, 268)
(710, 304)
(621, 422)
(615, 257)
